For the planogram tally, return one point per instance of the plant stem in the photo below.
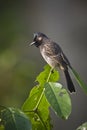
(42, 91)
(41, 120)
(49, 74)
(35, 110)
(39, 100)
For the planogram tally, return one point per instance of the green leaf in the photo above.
(33, 98)
(44, 112)
(36, 106)
(37, 101)
(43, 76)
(82, 127)
(79, 80)
(59, 99)
(39, 116)
(14, 119)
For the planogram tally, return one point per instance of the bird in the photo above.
(54, 56)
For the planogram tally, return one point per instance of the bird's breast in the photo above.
(47, 58)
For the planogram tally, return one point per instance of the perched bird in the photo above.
(54, 56)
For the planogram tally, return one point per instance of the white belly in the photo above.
(49, 60)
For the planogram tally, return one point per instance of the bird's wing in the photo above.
(54, 51)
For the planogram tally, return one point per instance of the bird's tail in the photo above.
(70, 85)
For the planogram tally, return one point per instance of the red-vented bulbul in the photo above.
(53, 55)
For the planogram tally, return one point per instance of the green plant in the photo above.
(35, 114)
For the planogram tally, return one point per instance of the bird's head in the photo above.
(38, 39)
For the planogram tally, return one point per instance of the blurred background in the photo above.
(65, 21)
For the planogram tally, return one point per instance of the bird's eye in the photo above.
(39, 38)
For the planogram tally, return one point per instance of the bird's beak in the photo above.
(31, 44)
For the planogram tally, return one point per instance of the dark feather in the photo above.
(69, 81)
(54, 51)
